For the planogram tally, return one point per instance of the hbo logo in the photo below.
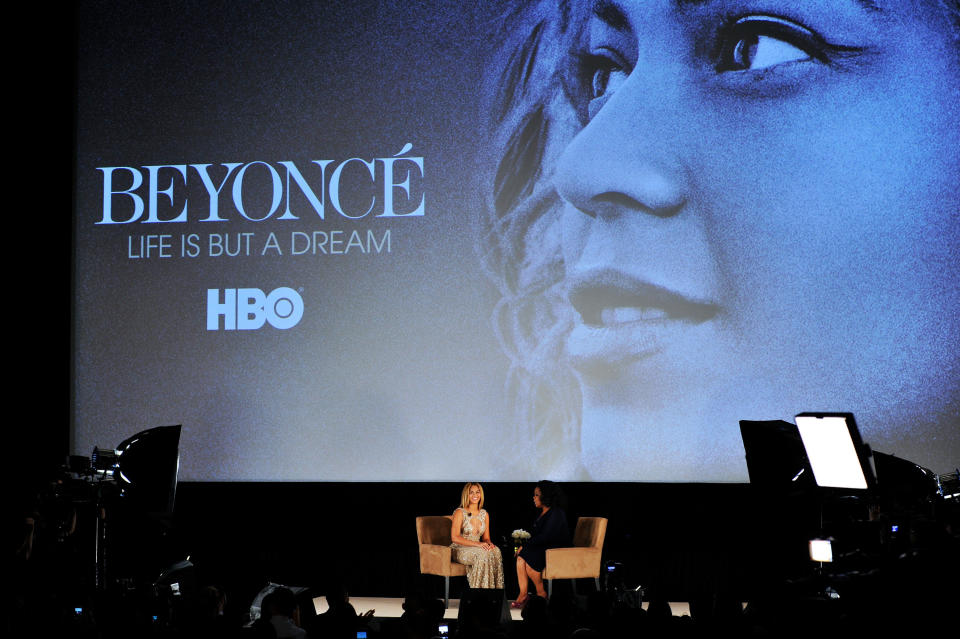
(246, 309)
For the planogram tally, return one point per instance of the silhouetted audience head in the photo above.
(659, 608)
(284, 602)
(337, 597)
(421, 615)
(535, 610)
(210, 602)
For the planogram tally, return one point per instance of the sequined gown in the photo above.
(484, 567)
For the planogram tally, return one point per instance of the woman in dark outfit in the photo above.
(549, 531)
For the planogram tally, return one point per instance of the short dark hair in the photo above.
(284, 601)
(551, 495)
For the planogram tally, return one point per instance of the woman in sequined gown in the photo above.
(471, 545)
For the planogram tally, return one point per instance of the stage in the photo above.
(392, 607)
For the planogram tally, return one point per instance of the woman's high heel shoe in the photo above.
(519, 603)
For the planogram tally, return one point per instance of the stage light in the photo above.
(821, 550)
(837, 456)
(147, 468)
(775, 457)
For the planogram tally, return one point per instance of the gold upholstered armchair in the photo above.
(583, 559)
(433, 535)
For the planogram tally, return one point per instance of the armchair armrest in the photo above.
(572, 563)
(435, 560)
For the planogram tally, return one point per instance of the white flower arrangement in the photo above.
(520, 534)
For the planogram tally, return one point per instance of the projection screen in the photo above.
(431, 240)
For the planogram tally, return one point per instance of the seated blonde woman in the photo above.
(471, 540)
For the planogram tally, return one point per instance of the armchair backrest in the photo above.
(590, 532)
(434, 529)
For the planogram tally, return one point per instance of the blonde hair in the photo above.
(465, 495)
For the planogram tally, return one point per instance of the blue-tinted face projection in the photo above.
(759, 216)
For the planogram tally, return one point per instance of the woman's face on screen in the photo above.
(760, 218)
